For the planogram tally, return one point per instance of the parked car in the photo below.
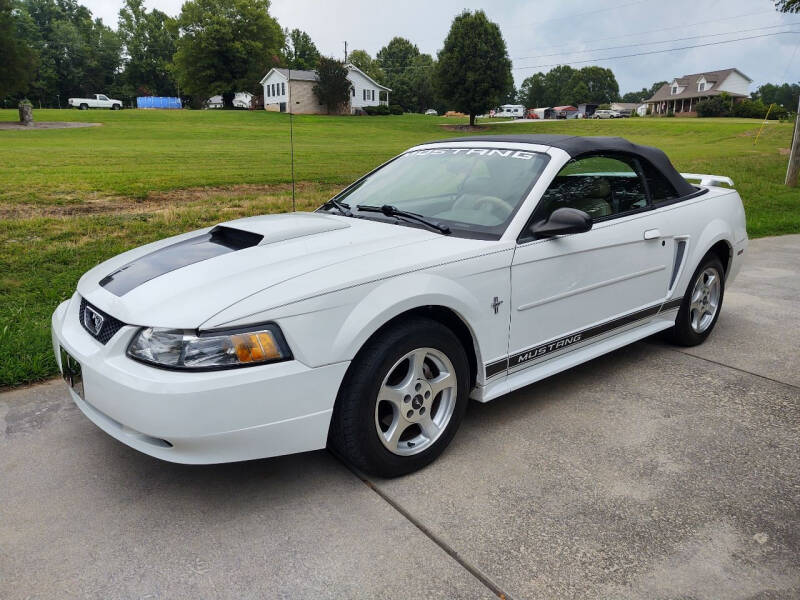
(96, 101)
(432, 111)
(606, 114)
(463, 268)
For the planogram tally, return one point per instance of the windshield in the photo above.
(474, 191)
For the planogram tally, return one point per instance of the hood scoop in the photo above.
(222, 239)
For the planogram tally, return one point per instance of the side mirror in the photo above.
(561, 222)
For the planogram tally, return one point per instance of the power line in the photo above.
(694, 37)
(684, 26)
(579, 62)
(583, 14)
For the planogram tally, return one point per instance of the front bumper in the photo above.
(198, 418)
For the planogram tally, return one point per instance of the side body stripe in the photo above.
(542, 350)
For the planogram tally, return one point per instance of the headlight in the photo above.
(189, 350)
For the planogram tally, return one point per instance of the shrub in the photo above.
(382, 109)
(395, 109)
(713, 107)
(370, 110)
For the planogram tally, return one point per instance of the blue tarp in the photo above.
(158, 102)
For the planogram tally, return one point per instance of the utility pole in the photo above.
(794, 153)
(345, 51)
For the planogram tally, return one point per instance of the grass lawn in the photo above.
(71, 198)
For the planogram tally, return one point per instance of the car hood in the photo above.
(183, 281)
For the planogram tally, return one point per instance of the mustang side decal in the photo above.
(542, 350)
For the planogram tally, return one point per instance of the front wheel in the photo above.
(115, 107)
(84, 107)
(701, 304)
(402, 399)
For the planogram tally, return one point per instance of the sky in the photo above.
(540, 34)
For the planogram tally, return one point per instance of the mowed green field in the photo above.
(71, 198)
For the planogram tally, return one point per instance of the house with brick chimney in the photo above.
(681, 95)
(284, 89)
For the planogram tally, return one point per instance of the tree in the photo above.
(785, 95)
(300, 51)
(362, 60)
(644, 93)
(333, 87)
(788, 6)
(419, 78)
(226, 46)
(601, 84)
(473, 71)
(396, 59)
(533, 91)
(16, 68)
(77, 54)
(559, 82)
(149, 39)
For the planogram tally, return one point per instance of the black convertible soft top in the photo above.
(576, 145)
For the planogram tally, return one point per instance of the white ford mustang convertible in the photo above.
(463, 268)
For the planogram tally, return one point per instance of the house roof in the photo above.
(689, 83)
(302, 75)
(578, 145)
(352, 67)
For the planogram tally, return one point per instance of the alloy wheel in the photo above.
(416, 401)
(704, 302)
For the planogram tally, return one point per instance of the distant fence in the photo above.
(158, 102)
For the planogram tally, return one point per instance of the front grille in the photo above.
(109, 327)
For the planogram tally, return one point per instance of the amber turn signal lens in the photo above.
(255, 347)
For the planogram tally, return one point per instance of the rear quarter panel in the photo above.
(717, 215)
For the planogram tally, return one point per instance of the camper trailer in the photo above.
(510, 110)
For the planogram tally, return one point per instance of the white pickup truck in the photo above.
(97, 101)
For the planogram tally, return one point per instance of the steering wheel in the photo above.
(494, 204)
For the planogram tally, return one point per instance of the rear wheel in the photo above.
(701, 304)
(84, 107)
(115, 107)
(402, 400)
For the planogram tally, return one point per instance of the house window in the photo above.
(353, 92)
(364, 94)
(266, 90)
(674, 89)
(701, 87)
(373, 94)
(283, 89)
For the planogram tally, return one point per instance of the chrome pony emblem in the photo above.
(93, 320)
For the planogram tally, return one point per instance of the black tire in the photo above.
(353, 432)
(84, 107)
(683, 333)
(115, 107)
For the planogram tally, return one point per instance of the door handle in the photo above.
(652, 234)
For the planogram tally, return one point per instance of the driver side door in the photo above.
(569, 289)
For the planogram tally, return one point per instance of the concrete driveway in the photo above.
(653, 472)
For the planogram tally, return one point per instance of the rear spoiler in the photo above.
(708, 179)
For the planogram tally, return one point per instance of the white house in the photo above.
(282, 87)
(240, 100)
(682, 94)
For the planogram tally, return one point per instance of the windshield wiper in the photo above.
(393, 211)
(342, 207)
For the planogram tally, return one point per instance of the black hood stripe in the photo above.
(220, 240)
